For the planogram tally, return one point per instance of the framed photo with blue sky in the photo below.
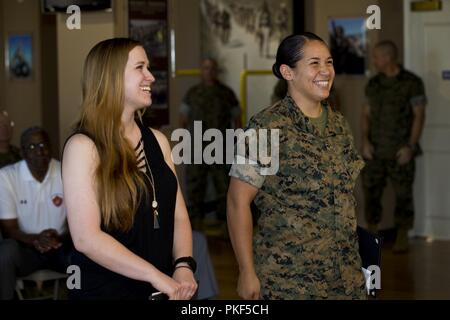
(348, 44)
(19, 56)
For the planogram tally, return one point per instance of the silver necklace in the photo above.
(152, 183)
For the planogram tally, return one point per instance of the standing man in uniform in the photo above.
(392, 124)
(216, 106)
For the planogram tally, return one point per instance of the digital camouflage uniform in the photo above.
(305, 244)
(391, 101)
(215, 106)
(10, 157)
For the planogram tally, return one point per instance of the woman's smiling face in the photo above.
(138, 80)
(313, 75)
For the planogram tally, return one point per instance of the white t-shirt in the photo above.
(37, 206)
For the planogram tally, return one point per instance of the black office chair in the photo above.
(370, 251)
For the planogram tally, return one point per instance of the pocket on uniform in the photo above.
(352, 161)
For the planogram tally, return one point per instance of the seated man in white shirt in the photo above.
(32, 213)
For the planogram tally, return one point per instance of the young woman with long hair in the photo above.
(126, 213)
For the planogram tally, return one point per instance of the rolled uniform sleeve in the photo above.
(245, 166)
(249, 173)
(418, 97)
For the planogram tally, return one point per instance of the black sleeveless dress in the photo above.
(153, 245)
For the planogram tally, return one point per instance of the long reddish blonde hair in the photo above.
(118, 180)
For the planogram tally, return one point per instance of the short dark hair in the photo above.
(213, 60)
(388, 47)
(209, 58)
(27, 133)
(291, 49)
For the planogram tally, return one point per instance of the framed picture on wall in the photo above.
(348, 44)
(19, 56)
(152, 34)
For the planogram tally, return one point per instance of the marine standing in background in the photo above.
(216, 106)
(393, 120)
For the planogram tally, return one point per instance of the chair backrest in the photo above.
(40, 276)
(44, 275)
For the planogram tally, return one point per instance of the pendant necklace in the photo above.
(152, 183)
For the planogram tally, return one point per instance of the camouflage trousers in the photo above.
(290, 270)
(375, 175)
(310, 286)
(336, 293)
(196, 184)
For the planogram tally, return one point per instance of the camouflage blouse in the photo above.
(305, 244)
(391, 101)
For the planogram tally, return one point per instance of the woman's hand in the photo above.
(185, 277)
(249, 287)
(168, 286)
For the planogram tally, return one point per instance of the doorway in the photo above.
(427, 48)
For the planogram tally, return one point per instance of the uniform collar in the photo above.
(216, 83)
(26, 175)
(399, 75)
(333, 127)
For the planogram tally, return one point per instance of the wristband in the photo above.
(183, 266)
(189, 260)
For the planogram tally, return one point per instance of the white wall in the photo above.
(184, 20)
(427, 55)
(73, 46)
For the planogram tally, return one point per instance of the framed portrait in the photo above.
(152, 34)
(253, 27)
(348, 44)
(19, 56)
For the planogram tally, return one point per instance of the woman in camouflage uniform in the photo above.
(305, 245)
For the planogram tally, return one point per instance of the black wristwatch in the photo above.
(189, 260)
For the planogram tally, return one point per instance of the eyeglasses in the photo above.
(34, 146)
